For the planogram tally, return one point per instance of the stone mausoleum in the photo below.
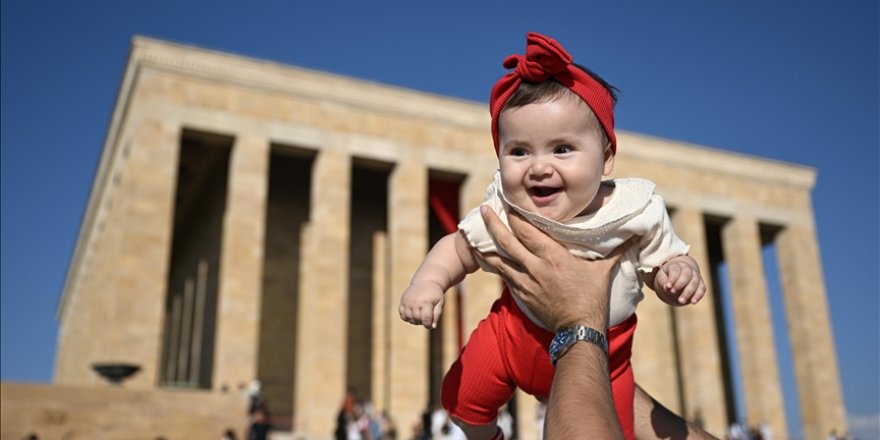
(251, 220)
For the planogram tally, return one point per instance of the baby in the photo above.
(553, 128)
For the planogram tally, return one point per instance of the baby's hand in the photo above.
(421, 304)
(679, 281)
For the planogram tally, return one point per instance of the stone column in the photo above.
(526, 415)
(173, 340)
(815, 360)
(754, 332)
(450, 329)
(319, 377)
(135, 266)
(241, 264)
(697, 333)
(198, 323)
(184, 353)
(384, 312)
(654, 352)
(449, 347)
(408, 239)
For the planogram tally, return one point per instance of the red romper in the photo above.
(507, 350)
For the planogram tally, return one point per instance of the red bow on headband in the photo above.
(546, 58)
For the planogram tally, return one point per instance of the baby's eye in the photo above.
(519, 152)
(562, 149)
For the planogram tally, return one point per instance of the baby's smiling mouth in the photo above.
(543, 191)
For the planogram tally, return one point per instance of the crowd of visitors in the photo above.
(357, 420)
(762, 431)
(437, 425)
(741, 431)
(833, 435)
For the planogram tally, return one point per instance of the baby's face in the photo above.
(552, 158)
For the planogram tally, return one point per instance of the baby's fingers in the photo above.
(687, 290)
(408, 315)
(700, 292)
(694, 290)
(438, 310)
(673, 272)
(403, 312)
(660, 279)
(425, 315)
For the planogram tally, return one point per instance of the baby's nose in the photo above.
(541, 167)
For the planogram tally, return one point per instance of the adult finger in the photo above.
(535, 240)
(517, 278)
(505, 240)
(499, 263)
(520, 282)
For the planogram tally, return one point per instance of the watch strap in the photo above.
(580, 333)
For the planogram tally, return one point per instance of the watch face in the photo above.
(562, 339)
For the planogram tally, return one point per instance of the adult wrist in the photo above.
(594, 316)
(566, 337)
(589, 312)
(597, 324)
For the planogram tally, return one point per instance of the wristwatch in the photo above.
(567, 336)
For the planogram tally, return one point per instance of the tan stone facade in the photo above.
(90, 413)
(251, 220)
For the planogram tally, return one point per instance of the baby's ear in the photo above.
(609, 162)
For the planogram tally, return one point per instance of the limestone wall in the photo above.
(119, 413)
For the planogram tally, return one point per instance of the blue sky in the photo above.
(784, 80)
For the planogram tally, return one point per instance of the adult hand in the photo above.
(558, 287)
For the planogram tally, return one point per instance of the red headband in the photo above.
(546, 58)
